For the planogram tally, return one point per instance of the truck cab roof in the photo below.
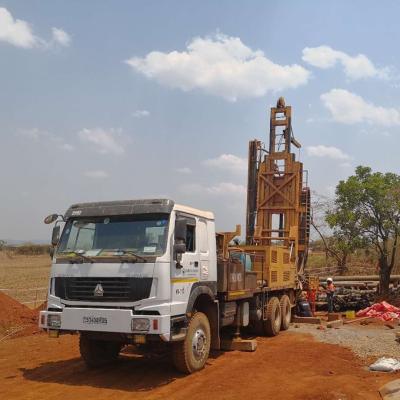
(131, 207)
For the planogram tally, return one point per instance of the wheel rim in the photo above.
(199, 344)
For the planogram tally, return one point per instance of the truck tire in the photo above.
(96, 353)
(272, 324)
(286, 312)
(191, 354)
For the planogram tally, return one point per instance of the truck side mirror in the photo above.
(50, 219)
(180, 230)
(179, 248)
(55, 236)
(180, 240)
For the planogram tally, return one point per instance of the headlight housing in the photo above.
(54, 321)
(140, 324)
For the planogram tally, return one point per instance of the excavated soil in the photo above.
(16, 319)
(290, 366)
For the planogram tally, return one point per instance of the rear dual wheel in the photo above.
(272, 325)
(279, 314)
(286, 312)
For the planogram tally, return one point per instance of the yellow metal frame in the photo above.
(282, 195)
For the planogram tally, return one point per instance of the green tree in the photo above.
(367, 209)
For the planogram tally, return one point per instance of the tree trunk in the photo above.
(384, 277)
(342, 264)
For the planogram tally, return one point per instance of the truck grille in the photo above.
(103, 289)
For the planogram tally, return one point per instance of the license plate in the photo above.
(92, 320)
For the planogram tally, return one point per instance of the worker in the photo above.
(330, 292)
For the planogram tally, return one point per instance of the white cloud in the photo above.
(220, 189)
(141, 114)
(346, 165)
(16, 31)
(349, 108)
(222, 66)
(61, 37)
(355, 67)
(228, 162)
(96, 174)
(327, 152)
(105, 142)
(227, 188)
(184, 170)
(20, 34)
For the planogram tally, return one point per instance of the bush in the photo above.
(28, 249)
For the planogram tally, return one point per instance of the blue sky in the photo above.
(130, 99)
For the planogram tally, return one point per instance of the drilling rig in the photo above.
(278, 207)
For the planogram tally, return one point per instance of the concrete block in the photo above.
(306, 320)
(335, 324)
(334, 316)
(239, 344)
(391, 391)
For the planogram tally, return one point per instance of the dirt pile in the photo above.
(16, 319)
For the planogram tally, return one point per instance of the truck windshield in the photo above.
(94, 236)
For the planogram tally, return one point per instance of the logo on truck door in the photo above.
(98, 290)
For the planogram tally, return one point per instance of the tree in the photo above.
(367, 208)
(338, 243)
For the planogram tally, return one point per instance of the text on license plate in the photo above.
(94, 320)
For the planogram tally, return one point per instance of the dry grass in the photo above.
(357, 264)
(21, 273)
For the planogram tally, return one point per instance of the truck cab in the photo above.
(132, 272)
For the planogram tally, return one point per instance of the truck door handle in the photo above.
(196, 263)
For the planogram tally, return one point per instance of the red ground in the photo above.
(290, 366)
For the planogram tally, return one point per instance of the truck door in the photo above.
(204, 250)
(183, 276)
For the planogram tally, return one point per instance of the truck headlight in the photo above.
(54, 321)
(140, 324)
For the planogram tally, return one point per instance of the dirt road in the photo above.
(290, 366)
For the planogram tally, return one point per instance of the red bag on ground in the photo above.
(383, 311)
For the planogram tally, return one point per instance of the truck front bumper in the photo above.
(105, 320)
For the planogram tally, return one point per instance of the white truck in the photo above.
(134, 272)
(151, 271)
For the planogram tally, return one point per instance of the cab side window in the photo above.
(190, 238)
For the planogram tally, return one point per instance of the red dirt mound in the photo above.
(15, 318)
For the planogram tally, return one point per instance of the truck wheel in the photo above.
(286, 312)
(97, 353)
(272, 324)
(191, 354)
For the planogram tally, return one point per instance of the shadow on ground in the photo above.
(129, 373)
